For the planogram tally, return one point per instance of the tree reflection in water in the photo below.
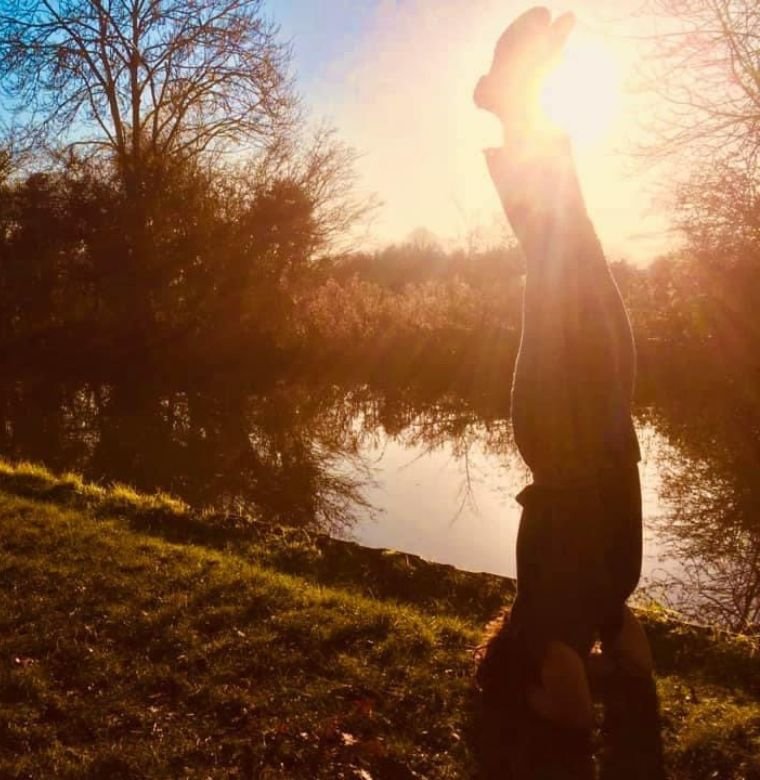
(710, 489)
(284, 453)
(297, 452)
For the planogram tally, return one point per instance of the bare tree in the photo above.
(710, 529)
(703, 64)
(155, 85)
(145, 79)
(323, 168)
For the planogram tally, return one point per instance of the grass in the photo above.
(141, 639)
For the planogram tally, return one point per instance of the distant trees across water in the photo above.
(241, 263)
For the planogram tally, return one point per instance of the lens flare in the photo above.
(582, 95)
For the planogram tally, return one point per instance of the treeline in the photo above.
(233, 264)
(417, 312)
(412, 301)
(211, 265)
(239, 263)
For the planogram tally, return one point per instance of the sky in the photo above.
(395, 78)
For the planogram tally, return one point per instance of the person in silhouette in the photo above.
(580, 538)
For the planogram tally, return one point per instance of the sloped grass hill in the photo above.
(141, 639)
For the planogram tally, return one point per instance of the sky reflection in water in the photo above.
(460, 508)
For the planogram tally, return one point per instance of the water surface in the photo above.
(430, 473)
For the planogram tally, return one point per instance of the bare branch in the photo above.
(171, 77)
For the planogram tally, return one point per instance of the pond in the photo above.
(426, 472)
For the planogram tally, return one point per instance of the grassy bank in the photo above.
(140, 639)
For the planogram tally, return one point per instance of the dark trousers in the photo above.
(578, 560)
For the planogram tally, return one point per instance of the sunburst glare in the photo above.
(582, 95)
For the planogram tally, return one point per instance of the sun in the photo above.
(582, 95)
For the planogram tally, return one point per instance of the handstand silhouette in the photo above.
(580, 539)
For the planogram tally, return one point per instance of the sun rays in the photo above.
(582, 95)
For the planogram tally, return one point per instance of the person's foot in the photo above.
(524, 54)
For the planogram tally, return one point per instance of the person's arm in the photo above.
(573, 381)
